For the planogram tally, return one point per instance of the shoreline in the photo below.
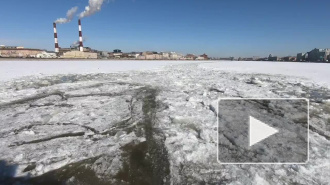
(128, 59)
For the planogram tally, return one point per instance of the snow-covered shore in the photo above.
(164, 118)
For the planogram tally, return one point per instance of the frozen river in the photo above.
(9, 69)
(146, 122)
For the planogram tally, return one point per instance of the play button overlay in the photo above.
(259, 131)
(263, 131)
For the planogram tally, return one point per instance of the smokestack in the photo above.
(57, 48)
(81, 46)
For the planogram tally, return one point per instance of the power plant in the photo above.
(57, 48)
(81, 46)
(72, 52)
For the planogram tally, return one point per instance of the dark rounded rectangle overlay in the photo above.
(290, 145)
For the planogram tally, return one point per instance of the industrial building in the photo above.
(79, 55)
(18, 52)
(45, 54)
(71, 53)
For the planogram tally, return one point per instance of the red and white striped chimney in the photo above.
(81, 46)
(57, 48)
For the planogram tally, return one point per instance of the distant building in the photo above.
(87, 49)
(79, 55)
(148, 55)
(301, 57)
(243, 59)
(141, 57)
(319, 55)
(158, 56)
(165, 55)
(134, 54)
(273, 58)
(289, 59)
(18, 52)
(203, 57)
(255, 58)
(63, 50)
(46, 54)
(10, 47)
(175, 56)
(117, 51)
(190, 57)
(180, 56)
(77, 48)
(104, 54)
(152, 55)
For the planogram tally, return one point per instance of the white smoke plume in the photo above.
(76, 43)
(69, 16)
(93, 7)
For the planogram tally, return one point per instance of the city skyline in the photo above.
(220, 29)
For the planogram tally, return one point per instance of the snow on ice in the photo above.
(146, 126)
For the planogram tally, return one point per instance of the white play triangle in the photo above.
(259, 131)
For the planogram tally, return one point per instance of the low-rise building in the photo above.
(158, 56)
(13, 52)
(255, 58)
(11, 47)
(134, 54)
(165, 55)
(176, 56)
(45, 54)
(241, 59)
(79, 55)
(289, 59)
(203, 57)
(190, 57)
(148, 55)
(104, 54)
(141, 57)
(116, 53)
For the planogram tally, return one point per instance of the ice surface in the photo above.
(165, 118)
(10, 69)
(318, 72)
